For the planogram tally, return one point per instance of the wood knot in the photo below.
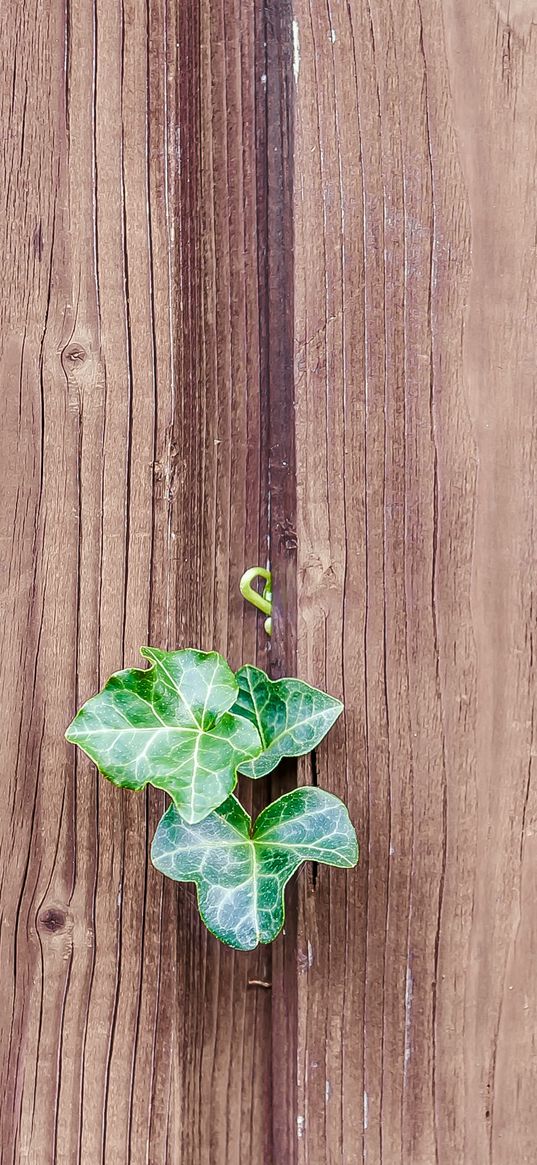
(53, 920)
(74, 355)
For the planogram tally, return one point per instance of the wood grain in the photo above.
(270, 289)
(136, 493)
(415, 325)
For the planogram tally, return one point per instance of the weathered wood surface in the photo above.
(134, 496)
(416, 345)
(158, 160)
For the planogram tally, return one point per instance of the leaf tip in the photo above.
(70, 733)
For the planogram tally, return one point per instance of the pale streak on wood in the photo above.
(415, 329)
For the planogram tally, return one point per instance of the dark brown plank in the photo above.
(415, 229)
(219, 530)
(275, 151)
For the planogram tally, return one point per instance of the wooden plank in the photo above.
(222, 521)
(151, 156)
(277, 308)
(415, 332)
(136, 493)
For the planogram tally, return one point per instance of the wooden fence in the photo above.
(269, 283)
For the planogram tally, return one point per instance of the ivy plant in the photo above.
(188, 725)
(170, 726)
(241, 870)
(290, 716)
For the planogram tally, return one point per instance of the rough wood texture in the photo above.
(415, 310)
(186, 187)
(134, 481)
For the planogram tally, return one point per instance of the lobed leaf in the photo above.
(170, 726)
(291, 717)
(240, 872)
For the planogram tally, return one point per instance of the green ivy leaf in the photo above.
(169, 726)
(240, 872)
(290, 716)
